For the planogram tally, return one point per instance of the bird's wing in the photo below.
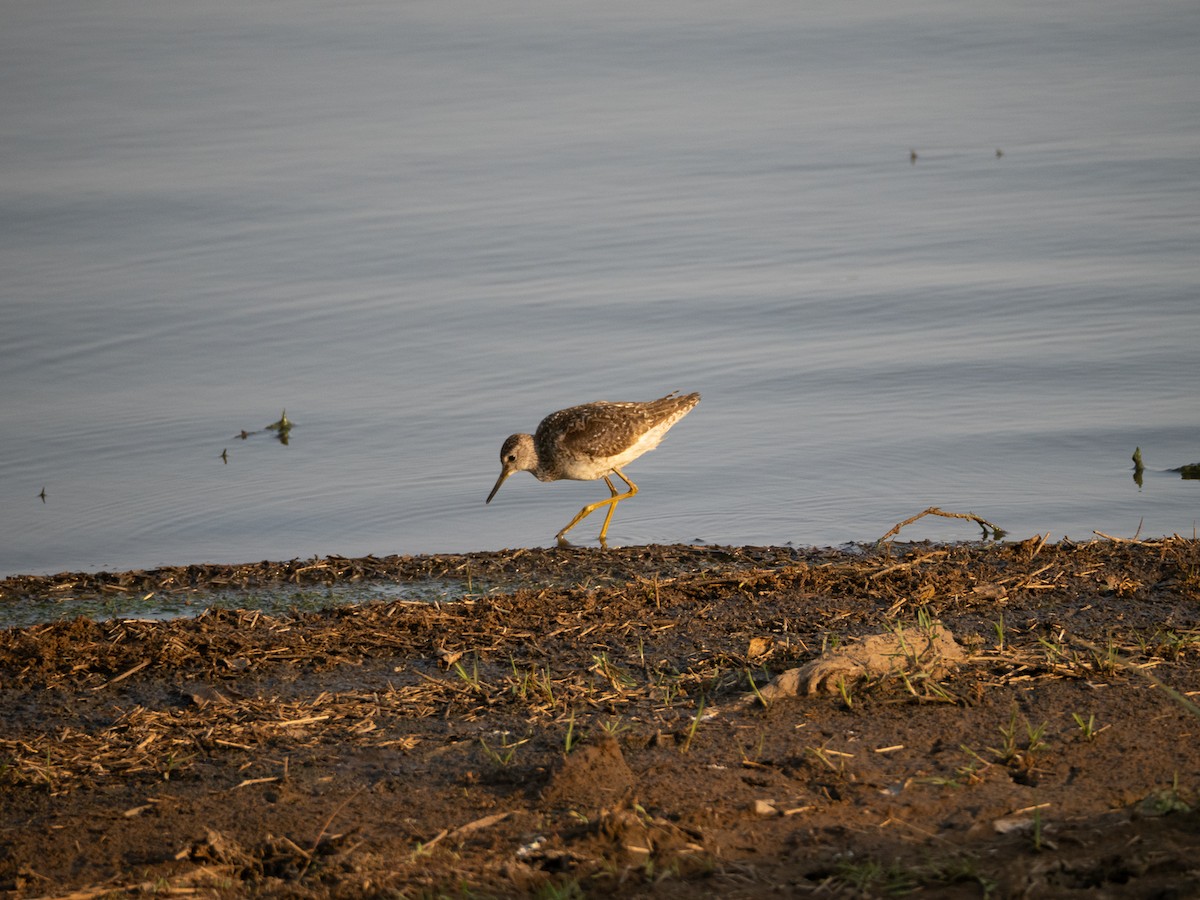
(595, 429)
(605, 429)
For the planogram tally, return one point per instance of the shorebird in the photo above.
(592, 441)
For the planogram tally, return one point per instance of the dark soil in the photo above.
(591, 727)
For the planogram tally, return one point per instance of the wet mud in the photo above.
(990, 720)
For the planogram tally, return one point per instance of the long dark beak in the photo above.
(499, 481)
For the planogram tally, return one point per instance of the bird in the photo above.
(590, 441)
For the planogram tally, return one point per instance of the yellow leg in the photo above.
(613, 507)
(611, 503)
(592, 507)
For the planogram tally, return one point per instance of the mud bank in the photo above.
(589, 722)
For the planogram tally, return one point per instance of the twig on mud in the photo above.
(906, 565)
(1041, 542)
(479, 824)
(1138, 670)
(291, 723)
(423, 848)
(124, 675)
(995, 531)
(1121, 540)
(464, 830)
(312, 852)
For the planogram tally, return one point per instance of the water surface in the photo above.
(420, 227)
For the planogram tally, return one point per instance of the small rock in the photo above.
(990, 591)
(759, 647)
(1012, 825)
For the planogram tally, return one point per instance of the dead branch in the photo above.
(989, 530)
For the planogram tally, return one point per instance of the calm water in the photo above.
(422, 226)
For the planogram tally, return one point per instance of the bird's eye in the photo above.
(512, 457)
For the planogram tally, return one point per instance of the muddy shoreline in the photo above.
(589, 722)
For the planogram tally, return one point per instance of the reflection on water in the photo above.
(280, 428)
(418, 229)
(1188, 472)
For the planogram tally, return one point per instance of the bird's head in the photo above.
(516, 455)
